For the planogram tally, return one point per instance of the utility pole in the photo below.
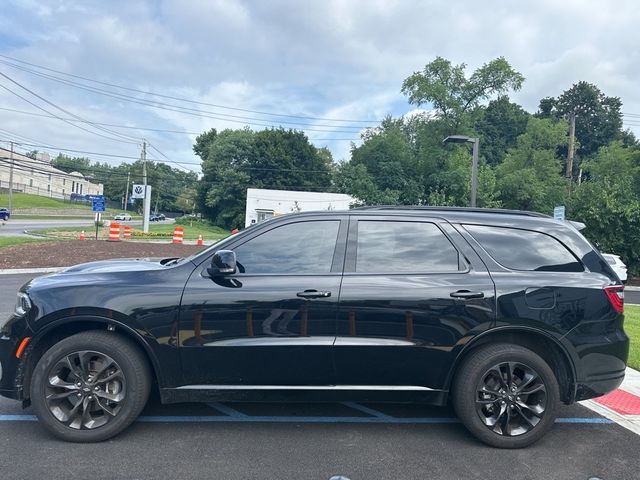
(126, 191)
(147, 190)
(572, 137)
(11, 181)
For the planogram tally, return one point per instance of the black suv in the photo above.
(506, 314)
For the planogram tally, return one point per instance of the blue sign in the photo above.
(98, 203)
(558, 213)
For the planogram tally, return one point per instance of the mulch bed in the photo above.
(72, 252)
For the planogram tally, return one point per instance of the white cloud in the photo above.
(330, 59)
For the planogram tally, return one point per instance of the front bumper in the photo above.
(10, 386)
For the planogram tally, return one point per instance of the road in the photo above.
(17, 227)
(309, 441)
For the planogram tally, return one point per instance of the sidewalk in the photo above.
(622, 405)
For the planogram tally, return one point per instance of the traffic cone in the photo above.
(178, 235)
(234, 231)
(200, 242)
(82, 237)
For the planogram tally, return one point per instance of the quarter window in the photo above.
(396, 247)
(524, 249)
(303, 247)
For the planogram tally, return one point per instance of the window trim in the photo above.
(484, 250)
(352, 247)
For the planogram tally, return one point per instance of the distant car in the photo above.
(617, 264)
(154, 218)
(161, 217)
(4, 214)
(123, 217)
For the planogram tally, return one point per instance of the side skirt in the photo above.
(304, 393)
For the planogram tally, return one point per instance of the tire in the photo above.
(94, 403)
(513, 419)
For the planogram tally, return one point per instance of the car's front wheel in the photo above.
(90, 386)
(506, 395)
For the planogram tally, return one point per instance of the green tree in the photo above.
(609, 203)
(529, 178)
(71, 164)
(235, 160)
(598, 117)
(452, 94)
(499, 127)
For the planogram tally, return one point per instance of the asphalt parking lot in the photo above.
(309, 441)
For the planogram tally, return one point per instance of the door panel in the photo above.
(267, 324)
(405, 328)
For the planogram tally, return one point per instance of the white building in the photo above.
(263, 204)
(38, 177)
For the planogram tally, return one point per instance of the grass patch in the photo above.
(632, 327)
(156, 231)
(12, 241)
(26, 200)
(208, 232)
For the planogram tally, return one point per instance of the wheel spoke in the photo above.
(105, 408)
(537, 388)
(85, 389)
(112, 397)
(510, 398)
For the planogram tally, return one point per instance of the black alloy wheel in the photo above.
(506, 395)
(511, 398)
(90, 386)
(85, 389)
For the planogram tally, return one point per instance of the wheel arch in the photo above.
(546, 346)
(70, 325)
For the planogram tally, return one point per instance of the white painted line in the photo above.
(628, 423)
(18, 271)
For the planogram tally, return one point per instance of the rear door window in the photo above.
(519, 249)
(397, 247)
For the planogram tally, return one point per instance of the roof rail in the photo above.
(455, 209)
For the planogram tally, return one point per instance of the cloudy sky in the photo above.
(326, 66)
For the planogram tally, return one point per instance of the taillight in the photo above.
(615, 294)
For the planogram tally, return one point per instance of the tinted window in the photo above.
(524, 249)
(392, 247)
(304, 247)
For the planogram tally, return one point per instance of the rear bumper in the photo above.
(596, 387)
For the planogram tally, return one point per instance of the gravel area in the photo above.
(71, 252)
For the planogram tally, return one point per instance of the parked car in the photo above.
(154, 218)
(123, 217)
(485, 308)
(617, 265)
(4, 214)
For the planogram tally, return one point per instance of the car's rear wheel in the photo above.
(90, 386)
(506, 395)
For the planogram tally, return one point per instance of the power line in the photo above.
(185, 99)
(56, 116)
(161, 130)
(193, 111)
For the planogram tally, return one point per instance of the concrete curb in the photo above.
(631, 384)
(631, 288)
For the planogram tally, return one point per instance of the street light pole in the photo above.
(474, 161)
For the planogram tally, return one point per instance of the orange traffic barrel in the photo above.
(127, 232)
(200, 242)
(114, 232)
(178, 235)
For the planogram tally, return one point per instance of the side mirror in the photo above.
(223, 262)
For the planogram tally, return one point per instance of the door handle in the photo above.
(466, 294)
(313, 294)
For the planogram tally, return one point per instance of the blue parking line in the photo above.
(221, 407)
(295, 419)
(367, 410)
